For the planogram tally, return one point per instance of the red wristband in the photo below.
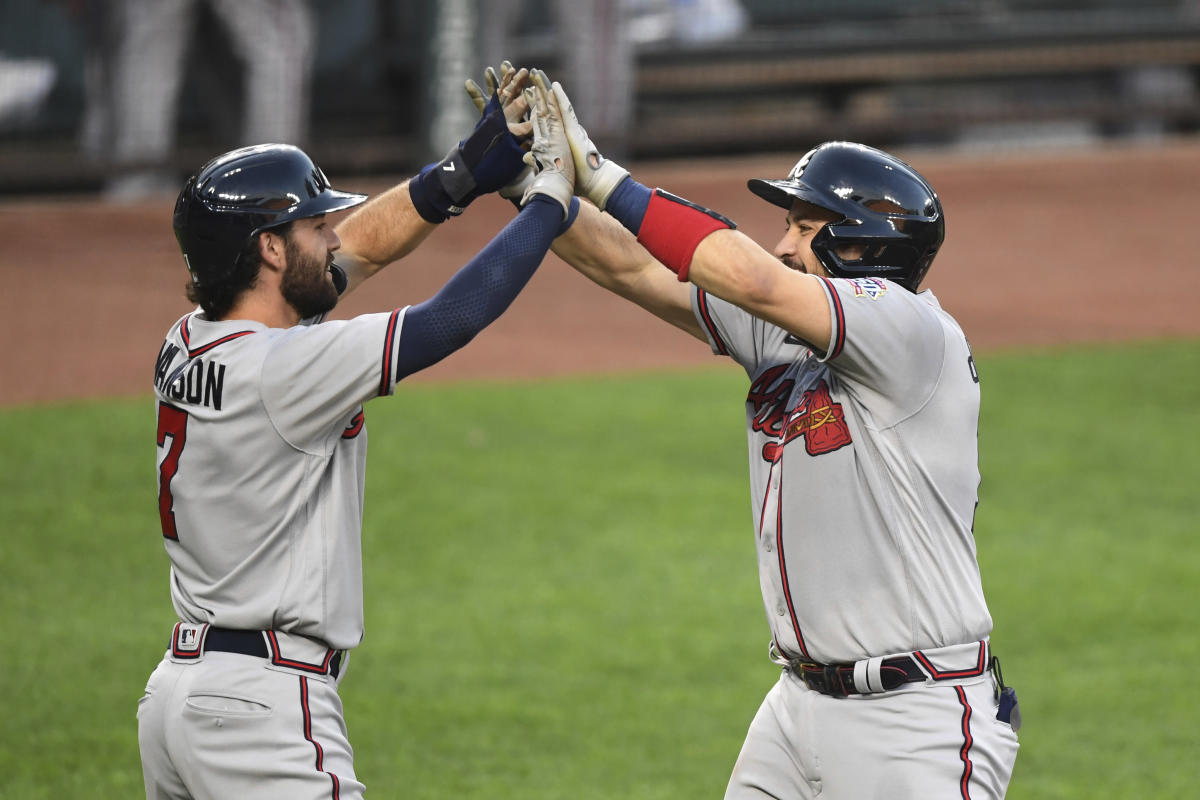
(673, 228)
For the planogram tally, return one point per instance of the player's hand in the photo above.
(515, 191)
(504, 92)
(490, 158)
(595, 176)
(481, 98)
(550, 155)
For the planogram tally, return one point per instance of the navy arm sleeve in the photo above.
(481, 291)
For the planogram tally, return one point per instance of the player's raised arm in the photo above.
(391, 225)
(694, 243)
(478, 293)
(595, 244)
(603, 251)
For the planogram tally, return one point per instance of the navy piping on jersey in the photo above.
(839, 320)
(385, 383)
(787, 592)
(202, 349)
(337, 785)
(968, 740)
(706, 315)
(762, 518)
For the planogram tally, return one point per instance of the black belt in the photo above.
(251, 643)
(837, 680)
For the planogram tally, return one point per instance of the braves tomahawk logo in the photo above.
(818, 420)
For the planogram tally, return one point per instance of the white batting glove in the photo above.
(550, 157)
(595, 176)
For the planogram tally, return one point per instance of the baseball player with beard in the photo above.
(262, 440)
(862, 413)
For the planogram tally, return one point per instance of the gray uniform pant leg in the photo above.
(917, 742)
(228, 725)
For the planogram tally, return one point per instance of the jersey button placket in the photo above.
(770, 533)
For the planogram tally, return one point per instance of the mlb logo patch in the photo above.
(873, 288)
(188, 640)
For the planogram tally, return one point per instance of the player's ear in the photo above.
(272, 250)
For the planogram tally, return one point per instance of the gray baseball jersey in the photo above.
(261, 462)
(863, 472)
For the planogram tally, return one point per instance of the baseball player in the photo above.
(862, 417)
(262, 439)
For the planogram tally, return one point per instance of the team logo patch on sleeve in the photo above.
(873, 288)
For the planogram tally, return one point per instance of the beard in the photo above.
(306, 284)
(794, 263)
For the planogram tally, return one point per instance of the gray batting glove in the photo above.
(503, 92)
(595, 176)
(550, 156)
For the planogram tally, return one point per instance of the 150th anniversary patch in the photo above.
(873, 288)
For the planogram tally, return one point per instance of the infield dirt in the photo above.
(1042, 248)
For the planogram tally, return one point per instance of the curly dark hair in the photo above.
(217, 299)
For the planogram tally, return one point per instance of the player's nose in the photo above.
(786, 246)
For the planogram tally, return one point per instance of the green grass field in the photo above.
(561, 588)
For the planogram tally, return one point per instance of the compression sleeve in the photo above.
(480, 291)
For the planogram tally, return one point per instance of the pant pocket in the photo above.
(225, 704)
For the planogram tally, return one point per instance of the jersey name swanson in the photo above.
(195, 381)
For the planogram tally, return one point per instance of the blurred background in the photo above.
(126, 97)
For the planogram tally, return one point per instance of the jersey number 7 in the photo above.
(172, 422)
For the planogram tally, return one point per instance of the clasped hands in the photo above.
(560, 158)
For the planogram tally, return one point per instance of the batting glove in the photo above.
(550, 156)
(595, 176)
(487, 160)
(504, 92)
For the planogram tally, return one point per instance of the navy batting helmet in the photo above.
(888, 210)
(242, 193)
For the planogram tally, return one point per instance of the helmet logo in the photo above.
(798, 170)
